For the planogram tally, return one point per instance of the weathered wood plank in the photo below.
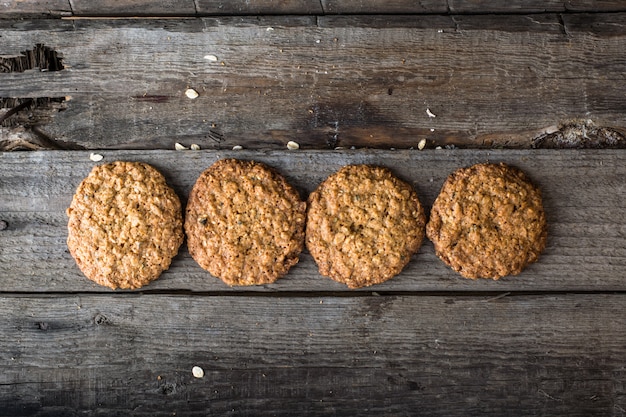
(331, 81)
(34, 8)
(584, 196)
(535, 6)
(263, 7)
(267, 356)
(133, 8)
(390, 7)
(47, 8)
(465, 6)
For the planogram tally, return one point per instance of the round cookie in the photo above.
(125, 225)
(244, 222)
(488, 221)
(363, 225)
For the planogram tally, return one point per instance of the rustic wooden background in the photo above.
(352, 82)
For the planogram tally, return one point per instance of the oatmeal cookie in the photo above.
(488, 221)
(244, 222)
(125, 225)
(363, 225)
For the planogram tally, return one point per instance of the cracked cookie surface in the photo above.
(363, 225)
(125, 225)
(488, 221)
(244, 222)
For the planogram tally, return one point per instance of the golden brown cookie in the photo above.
(488, 221)
(244, 222)
(125, 225)
(363, 225)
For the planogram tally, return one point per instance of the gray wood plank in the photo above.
(535, 6)
(584, 196)
(390, 7)
(133, 8)
(465, 6)
(331, 81)
(274, 356)
(53, 8)
(34, 8)
(263, 7)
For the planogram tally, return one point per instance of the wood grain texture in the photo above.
(389, 7)
(584, 194)
(534, 6)
(133, 8)
(34, 8)
(468, 6)
(268, 356)
(111, 8)
(325, 82)
(264, 7)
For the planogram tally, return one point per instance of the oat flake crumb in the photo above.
(291, 145)
(197, 372)
(96, 157)
(237, 148)
(179, 147)
(191, 93)
(429, 113)
(211, 58)
(422, 144)
(195, 147)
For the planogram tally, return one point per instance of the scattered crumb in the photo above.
(212, 58)
(440, 31)
(159, 377)
(269, 29)
(195, 147)
(422, 144)
(197, 372)
(317, 41)
(291, 145)
(438, 147)
(432, 130)
(179, 147)
(429, 113)
(191, 93)
(237, 148)
(96, 157)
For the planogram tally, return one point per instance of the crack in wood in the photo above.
(21, 120)
(41, 56)
(580, 133)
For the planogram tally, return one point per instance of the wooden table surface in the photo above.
(352, 82)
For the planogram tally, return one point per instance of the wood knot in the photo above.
(101, 319)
